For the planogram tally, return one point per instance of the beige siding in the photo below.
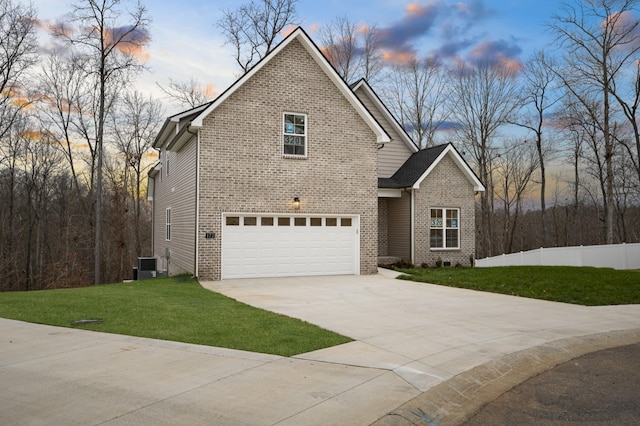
(446, 186)
(393, 154)
(399, 226)
(243, 169)
(178, 191)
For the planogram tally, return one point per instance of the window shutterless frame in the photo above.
(444, 228)
(294, 134)
(168, 224)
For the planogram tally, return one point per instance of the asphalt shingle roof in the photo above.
(413, 168)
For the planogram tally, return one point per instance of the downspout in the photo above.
(153, 217)
(413, 229)
(197, 230)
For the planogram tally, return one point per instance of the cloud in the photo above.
(449, 126)
(287, 30)
(452, 48)
(624, 23)
(497, 51)
(442, 21)
(58, 27)
(418, 21)
(130, 40)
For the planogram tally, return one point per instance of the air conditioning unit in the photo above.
(147, 267)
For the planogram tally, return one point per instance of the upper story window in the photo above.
(295, 134)
(166, 162)
(445, 228)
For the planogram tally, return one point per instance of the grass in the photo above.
(175, 308)
(576, 285)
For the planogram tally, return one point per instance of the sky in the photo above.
(186, 43)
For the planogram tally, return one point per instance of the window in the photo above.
(168, 223)
(445, 228)
(284, 221)
(295, 135)
(233, 221)
(166, 163)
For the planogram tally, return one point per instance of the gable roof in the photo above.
(391, 119)
(420, 164)
(197, 115)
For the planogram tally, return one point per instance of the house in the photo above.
(292, 172)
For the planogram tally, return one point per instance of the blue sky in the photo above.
(186, 42)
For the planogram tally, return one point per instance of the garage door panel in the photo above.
(271, 251)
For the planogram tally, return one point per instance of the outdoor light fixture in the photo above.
(296, 203)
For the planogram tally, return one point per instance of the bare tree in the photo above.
(538, 99)
(353, 51)
(483, 99)
(628, 98)
(135, 126)
(254, 27)
(18, 52)
(187, 94)
(61, 84)
(514, 168)
(418, 93)
(111, 46)
(600, 38)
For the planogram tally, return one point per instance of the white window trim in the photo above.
(167, 217)
(166, 162)
(305, 135)
(444, 228)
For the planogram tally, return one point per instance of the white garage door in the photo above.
(284, 246)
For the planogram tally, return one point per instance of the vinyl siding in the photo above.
(399, 226)
(393, 154)
(177, 191)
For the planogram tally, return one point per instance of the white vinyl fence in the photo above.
(616, 256)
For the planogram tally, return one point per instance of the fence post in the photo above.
(540, 261)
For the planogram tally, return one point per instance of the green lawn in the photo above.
(581, 286)
(176, 308)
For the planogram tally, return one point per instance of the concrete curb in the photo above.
(453, 402)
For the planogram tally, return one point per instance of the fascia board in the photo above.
(389, 193)
(462, 165)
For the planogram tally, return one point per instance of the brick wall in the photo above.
(242, 168)
(383, 227)
(446, 186)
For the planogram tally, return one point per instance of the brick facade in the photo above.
(445, 186)
(242, 168)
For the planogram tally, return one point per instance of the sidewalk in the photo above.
(417, 347)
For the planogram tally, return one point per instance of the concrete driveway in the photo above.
(420, 351)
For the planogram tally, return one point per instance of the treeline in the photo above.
(76, 137)
(567, 225)
(75, 145)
